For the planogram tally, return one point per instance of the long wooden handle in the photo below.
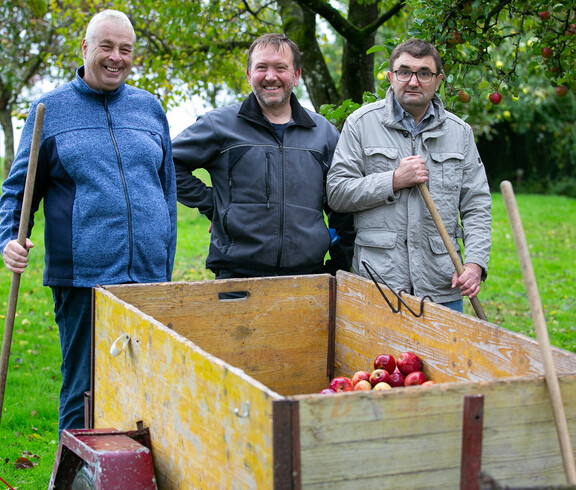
(541, 332)
(22, 233)
(448, 244)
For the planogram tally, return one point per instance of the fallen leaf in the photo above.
(23, 464)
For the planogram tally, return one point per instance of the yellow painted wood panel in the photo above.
(188, 400)
(278, 334)
(410, 438)
(453, 346)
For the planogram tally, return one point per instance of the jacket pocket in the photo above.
(376, 238)
(447, 169)
(380, 159)
(379, 249)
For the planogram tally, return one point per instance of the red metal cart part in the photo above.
(104, 459)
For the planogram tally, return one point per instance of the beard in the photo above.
(278, 98)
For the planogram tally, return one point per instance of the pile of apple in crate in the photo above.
(387, 373)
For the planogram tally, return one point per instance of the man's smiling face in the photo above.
(108, 56)
(272, 76)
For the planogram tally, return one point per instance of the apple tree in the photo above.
(32, 50)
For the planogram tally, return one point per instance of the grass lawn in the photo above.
(29, 419)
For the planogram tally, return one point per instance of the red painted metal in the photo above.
(471, 459)
(112, 459)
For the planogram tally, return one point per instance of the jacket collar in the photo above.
(79, 84)
(389, 117)
(251, 111)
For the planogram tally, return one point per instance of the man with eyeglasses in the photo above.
(385, 150)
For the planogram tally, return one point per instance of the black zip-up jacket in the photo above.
(267, 195)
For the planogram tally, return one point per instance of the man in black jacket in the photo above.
(267, 159)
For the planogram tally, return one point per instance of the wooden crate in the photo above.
(229, 388)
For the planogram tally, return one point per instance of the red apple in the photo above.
(382, 386)
(363, 385)
(341, 383)
(464, 96)
(359, 376)
(495, 98)
(561, 91)
(379, 376)
(386, 362)
(397, 379)
(544, 15)
(408, 362)
(415, 378)
(455, 38)
(547, 52)
(327, 391)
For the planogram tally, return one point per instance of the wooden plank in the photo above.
(210, 423)
(412, 437)
(282, 326)
(454, 346)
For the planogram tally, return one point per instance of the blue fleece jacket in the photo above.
(106, 175)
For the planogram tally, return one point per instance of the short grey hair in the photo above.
(116, 16)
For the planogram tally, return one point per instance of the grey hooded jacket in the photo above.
(396, 235)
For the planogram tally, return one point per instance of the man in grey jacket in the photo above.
(389, 147)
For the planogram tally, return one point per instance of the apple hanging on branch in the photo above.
(495, 98)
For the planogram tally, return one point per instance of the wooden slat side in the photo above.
(281, 327)
(412, 437)
(210, 423)
(454, 346)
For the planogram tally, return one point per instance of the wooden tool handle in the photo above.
(22, 234)
(448, 244)
(541, 332)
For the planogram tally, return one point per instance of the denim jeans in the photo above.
(73, 315)
(457, 305)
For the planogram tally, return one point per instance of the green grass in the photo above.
(29, 420)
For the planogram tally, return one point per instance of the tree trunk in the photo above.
(357, 66)
(8, 129)
(299, 24)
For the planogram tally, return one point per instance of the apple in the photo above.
(455, 38)
(571, 31)
(544, 15)
(408, 362)
(386, 362)
(547, 52)
(464, 96)
(363, 385)
(397, 379)
(382, 386)
(379, 376)
(428, 383)
(495, 98)
(327, 391)
(359, 376)
(415, 378)
(341, 383)
(561, 91)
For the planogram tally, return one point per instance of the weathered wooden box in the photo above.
(229, 388)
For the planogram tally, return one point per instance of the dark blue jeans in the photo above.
(457, 305)
(73, 315)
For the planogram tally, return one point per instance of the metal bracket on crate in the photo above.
(401, 302)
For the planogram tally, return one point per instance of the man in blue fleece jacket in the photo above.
(106, 175)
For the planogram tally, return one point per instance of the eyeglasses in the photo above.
(423, 76)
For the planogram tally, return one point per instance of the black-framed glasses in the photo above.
(423, 76)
